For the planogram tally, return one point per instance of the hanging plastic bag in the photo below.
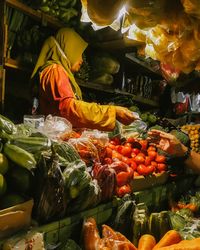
(137, 34)
(50, 198)
(162, 41)
(99, 14)
(87, 150)
(192, 7)
(169, 72)
(54, 126)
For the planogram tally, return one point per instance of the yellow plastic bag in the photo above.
(192, 7)
(137, 34)
(181, 62)
(103, 13)
(162, 41)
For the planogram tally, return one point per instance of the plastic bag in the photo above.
(86, 149)
(96, 136)
(146, 14)
(137, 34)
(30, 240)
(99, 14)
(181, 62)
(135, 129)
(76, 178)
(162, 41)
(50, 197)
(190, 49)
(169, 72)
(54, 126)
(192, 7)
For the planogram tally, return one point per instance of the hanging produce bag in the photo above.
(50, 194)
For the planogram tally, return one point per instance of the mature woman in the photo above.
(59, 93)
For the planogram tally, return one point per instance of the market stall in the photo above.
(63, 187)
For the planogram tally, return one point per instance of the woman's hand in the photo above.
(124, 115)
(167, 142)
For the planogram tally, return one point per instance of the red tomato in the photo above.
(130, 172)
(133, 155)
(116, 140)
(155, 164)
(141, 169)
(161, 167)
(117, 155)
(125, 189)
(112, 142)
(119, 148)
(107, 160)
(112, 146)
(152, 154)
(130, 140)
(126, 151)
(135, 173)
(147, 161)
(122, 178)
(126, 160)
(128, 144)
(108, 152)
(160, 158)
(139, 159)
(144, 144)
(133, 165)
(141, 154)
(150, 169)
(136, 151)
(151, 148)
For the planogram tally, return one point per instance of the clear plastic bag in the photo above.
(134, 129)
(86, 149)
(96, 136)
(54, 126)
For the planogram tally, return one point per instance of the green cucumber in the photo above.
(67, 151)
(7, 125)
(32, 144)
(19, 156)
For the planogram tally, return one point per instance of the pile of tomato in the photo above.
(137, 154)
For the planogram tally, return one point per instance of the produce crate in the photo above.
(140, 183)
(156, 198)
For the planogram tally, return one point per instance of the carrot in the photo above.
(146, 242)
(171, 237)
(192, 207)
(193, 244)
(91, 236)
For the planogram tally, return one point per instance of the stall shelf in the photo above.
(155, 198)
(5, 61)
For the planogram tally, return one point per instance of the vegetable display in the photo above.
(79, 170)
(113, 240)
(193, 133)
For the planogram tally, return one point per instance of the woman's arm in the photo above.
(57, 97)
(171, 145)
